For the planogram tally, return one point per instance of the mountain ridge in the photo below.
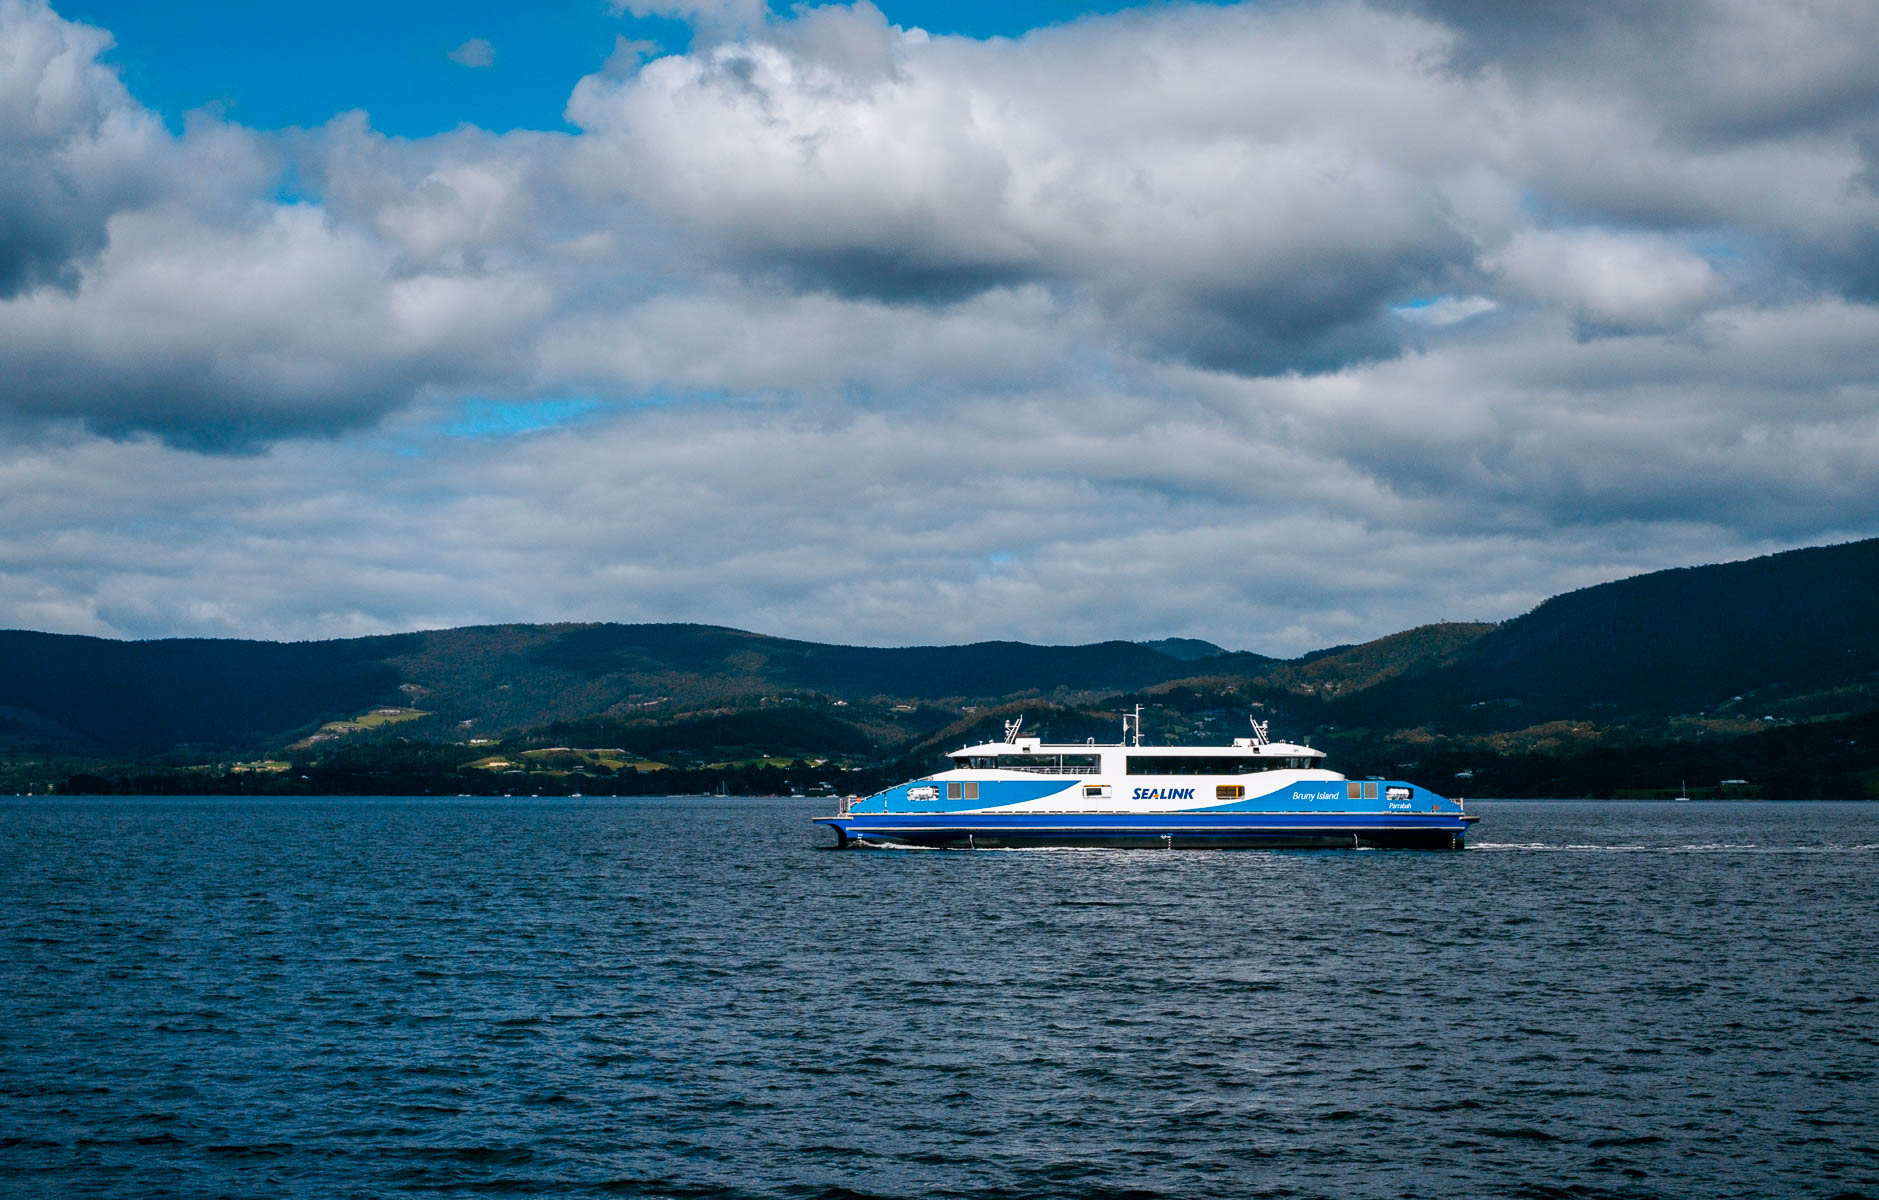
(1685, 653)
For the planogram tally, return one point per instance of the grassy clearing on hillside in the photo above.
(377, 718)
(562, 760)
(777, 761)
(264, 766)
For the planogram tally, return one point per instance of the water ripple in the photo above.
(688, 998)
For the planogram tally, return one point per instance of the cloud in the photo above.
(1277, 515)
(1253, 189)
(222, 337)
(476, 52)
(1607, 282)
(75, 148)
(1279, 325)
(715, 19)
(146, 284)
(627, 54)
(847, 154)
(1710, 70)
(1257, 191)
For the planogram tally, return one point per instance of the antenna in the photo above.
(1011, 729)
(1259, 731)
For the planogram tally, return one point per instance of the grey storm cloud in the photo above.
(874, 335)
(1717, 70)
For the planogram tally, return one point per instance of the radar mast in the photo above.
(1132, 726)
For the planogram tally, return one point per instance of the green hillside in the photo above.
(1353, 669)
(1769, 636)
(129, 699)
(523, 674)
(135, 698)
(1671, 664)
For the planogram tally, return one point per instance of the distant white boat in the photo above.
(1683, 791)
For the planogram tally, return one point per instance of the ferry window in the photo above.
(972, 791)
(1230, 791)
(1198, 764)
(1071, 764)
(1370, 791)
(1355, 791)
(952, 791)
(1095, 791)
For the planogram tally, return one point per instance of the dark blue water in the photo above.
(684, 998)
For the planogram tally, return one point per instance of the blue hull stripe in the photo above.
(1140, 823)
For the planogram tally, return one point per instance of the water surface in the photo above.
(687, 998)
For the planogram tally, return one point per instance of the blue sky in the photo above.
(1282, 325)
(276, 65)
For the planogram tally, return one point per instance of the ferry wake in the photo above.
(1253, 794)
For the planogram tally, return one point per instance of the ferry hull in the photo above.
(1253, 794)
(1170, 831)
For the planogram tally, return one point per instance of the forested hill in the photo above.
(1751, 635)
(132, 698)
(1714, 651)
(129, 698)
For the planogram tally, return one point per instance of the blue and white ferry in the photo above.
(1254, 793)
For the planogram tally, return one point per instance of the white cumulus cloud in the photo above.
(1607, 281)
(878, 335)
(474, 52)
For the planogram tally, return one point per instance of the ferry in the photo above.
(1253, 794)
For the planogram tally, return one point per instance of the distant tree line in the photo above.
(1836, 760)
